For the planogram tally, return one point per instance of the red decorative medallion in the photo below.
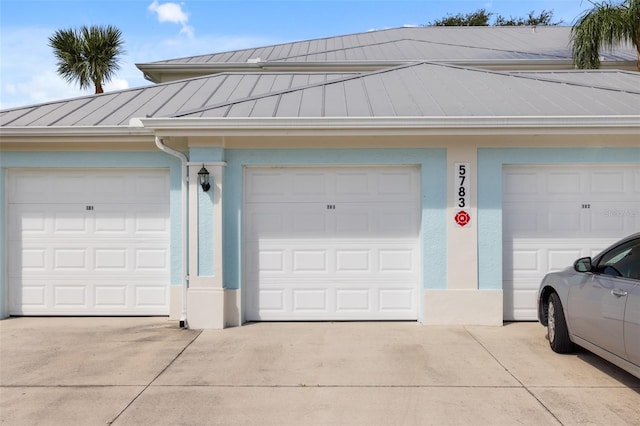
(462, 218)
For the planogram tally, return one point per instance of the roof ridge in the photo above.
(277, 92)
(575, 83)
(439, 28)
(276, 45)
(548, 80)
(309, 86)
(418, 41)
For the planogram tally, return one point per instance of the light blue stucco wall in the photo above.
(206, 217)
(41, 160)
(433, 192)
(490, 165)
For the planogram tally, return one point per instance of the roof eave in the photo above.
(132, 130)
(154, 72)
(396, 125)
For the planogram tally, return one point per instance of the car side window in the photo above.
(622, 261)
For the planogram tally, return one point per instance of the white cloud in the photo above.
(173, 13)
(149, 50)
(116, 84)
(28, 79)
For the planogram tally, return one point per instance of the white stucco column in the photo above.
(462, 302)
(462, 239)
(205, 296)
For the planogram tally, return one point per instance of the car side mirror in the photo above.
(583, 264)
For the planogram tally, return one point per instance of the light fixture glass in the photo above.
(203, 177)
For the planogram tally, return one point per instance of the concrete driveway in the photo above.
(147, 371)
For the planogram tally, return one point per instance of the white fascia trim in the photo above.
(328, 66)
(135, 130)
(419, 125)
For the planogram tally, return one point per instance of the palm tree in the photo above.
(605, 25)
(89, 55)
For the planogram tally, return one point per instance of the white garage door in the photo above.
(88, 242)
(332, 243)
(552, 215)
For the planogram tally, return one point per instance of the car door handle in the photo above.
(618, 293)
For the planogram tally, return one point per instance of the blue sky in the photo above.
(155, 30)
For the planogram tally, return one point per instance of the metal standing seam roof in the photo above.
(612, 79)
(414, 90)
(117, 108)
(414, 44)
(436, 90)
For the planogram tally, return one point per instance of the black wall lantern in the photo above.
(203, 176)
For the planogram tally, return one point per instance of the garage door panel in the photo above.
(336, 300)
(612, 219)
(331, 245)
(312, 184)
(396, 299)
(396, 260)
(111, 296)
(265, 185)
(151, 296)
(135, 220)
(553, 215)
(134, 187)
(308, 183)
(520, 185)
(268, 300)
(564, 183)
(609, 182)
(104, 221)
(344, 219)
(93, 186)
(310, 300)
(353, 260)
(70, 259)
(70, 255)
(522, 219)
(307, 220)
(526, 220)
(32, 220)
(271, 257)
(561, 218)
(138, 187)
(46, 296)
(353, 300)
(521, 304)
(33, 188)
(398, 219)
(560, 258)
(276, 219)
(94, 258)
(309, 260)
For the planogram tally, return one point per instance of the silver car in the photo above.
(596, 304)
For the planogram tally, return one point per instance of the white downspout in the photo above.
(185, 242)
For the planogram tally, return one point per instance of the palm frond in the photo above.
(605, 26)
(89, 55)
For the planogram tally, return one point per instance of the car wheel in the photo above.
(557, 330)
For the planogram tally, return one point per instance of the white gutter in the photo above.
(134, 129)
(183, 217)
(401, 125)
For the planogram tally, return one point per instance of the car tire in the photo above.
(557, 330)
